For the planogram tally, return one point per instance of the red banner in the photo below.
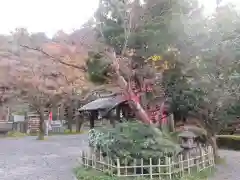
(50, 116)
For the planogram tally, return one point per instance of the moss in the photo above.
(67, 131)
(60, 133)
(15, 134)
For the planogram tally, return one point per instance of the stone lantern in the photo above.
(187, 139)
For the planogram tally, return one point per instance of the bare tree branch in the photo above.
(54, 58)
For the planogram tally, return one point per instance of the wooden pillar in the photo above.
(93, 116)
(118, 111)
(112, 117)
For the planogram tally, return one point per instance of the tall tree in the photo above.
(146, 29)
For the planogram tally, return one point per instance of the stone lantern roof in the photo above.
(187, 134)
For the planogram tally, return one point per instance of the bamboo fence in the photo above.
(162, 168)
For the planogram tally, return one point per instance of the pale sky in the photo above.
(45, 15)
(49, 16)
(210, 5)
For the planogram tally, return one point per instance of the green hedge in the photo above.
(228, 142)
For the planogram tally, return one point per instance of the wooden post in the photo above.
(150, 168)
(118, 168)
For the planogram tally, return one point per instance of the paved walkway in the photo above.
(29, 159)
(230, 170)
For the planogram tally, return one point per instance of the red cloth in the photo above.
(50, 116)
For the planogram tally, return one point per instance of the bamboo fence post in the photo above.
(118, 168)
(212, 154)
(159, 168)
(142, 166)
(134, 165)
(166, 169)
(208, 156)
(92, 163)
(170, 168)
(101, 160)
(181, 164)
(86, 158)
(150, 168)
(111, 166)
(95, 160)
(81, 156)
(188, 163)
(203, 158)
(197, 163)
(125, 167)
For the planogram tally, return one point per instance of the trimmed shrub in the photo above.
(133, 140)
(228, 142)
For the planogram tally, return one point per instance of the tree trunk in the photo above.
(171, 123)
(41, 124)
(140, 112)
(211, 136)
(112, 120)
(70, 117)
(79, 123)
(213, 142)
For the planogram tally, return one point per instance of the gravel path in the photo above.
(230, 170)
(54, 159)
(29, 159)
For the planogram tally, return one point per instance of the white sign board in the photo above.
(19, 118)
